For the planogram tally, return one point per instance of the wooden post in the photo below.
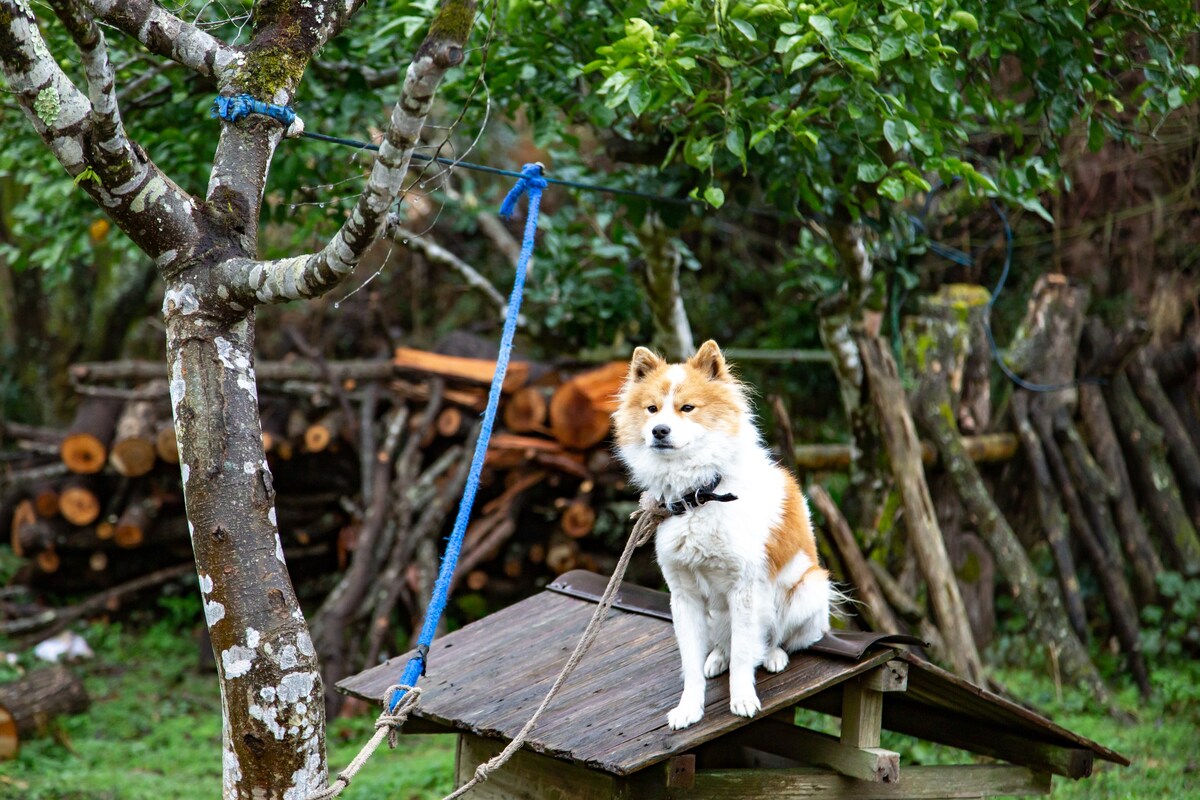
(862, 703)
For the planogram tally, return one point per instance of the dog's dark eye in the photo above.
(687, 407)
(652, 409)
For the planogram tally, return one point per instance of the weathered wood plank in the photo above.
(645, 739)
(819, 750)
(920, 783)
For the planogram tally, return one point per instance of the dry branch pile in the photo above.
(1106, 480)
(368, 458)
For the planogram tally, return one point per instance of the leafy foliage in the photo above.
(831, 107)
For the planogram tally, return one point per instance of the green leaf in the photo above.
(942, 79)
(895, 134)
(891, 188)
(892, 48)
(699, 153)
(822, 25)
(965, 20)
(746, 28)
(802, 60)
(860, 41)
(640, 96)
(735, 142)
(1035, 205)
(715, 196)
(871, 172)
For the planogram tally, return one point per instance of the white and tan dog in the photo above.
(738, 554)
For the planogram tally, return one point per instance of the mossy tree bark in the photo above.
(932, 345)
(206, 252)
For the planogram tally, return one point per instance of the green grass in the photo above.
(153, 733)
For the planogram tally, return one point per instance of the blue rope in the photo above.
(532, 183)
(240, 106)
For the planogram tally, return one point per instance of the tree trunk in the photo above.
(1040, 603)
(660, 282)
(841, 321)
(1181, 452)
(1052, 516)
(1135, 541)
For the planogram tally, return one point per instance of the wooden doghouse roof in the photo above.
(488, 677)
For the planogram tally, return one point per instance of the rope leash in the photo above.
(400, 698)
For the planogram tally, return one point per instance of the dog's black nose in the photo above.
(661, 431)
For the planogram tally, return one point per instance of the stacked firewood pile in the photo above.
(367, 457)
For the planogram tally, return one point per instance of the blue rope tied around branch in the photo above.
(240, 106)
(531, 183)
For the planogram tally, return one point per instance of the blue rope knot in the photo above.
(240, 106)
(533, 183)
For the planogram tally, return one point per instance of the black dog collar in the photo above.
(697, 498)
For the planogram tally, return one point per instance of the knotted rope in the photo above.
(386, 727)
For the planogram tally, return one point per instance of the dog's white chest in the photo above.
(699, 540)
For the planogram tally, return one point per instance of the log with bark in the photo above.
(581, 408)
(921, 523)
(85, 447)
(30, 703)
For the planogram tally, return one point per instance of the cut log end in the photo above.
(79, 505)
(526, 411)
(83, 453)
(578, 519)
(133, 457)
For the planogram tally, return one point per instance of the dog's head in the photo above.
(675, 410)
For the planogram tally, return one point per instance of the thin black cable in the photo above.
(450, 162)
(987, 322)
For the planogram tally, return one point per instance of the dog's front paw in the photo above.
(776, 660)
(687, 713)
(716, 663)
(745, 705)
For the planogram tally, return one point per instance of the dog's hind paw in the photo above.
(716, 663)
(684, 714)
(745, 705)
(776, 660)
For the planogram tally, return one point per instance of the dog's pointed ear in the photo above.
(643, 363)
(710, 361)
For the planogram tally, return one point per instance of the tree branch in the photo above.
(89, 141)
(108, 133)
(167, 35)
(314, 274)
